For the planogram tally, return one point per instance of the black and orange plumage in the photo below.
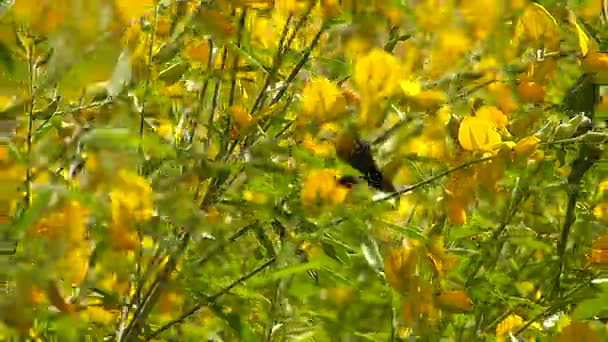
(358, 154)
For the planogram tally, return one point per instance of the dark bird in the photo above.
(358, 155)
(349, 181)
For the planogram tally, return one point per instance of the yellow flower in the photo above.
(322, 149)
(509, 325)
(450, 42)
(530, 91)
(456, 210)
(481, 15)
(197, 51)
(322, 100)
(240, 117)
(493, 115)
(453, 301)
(100, 315)
(133, 194)
(600, 211)
(602, 191)
(130, 11)
(165, 128)
(442, 14)
(400, 266)
(68, 225)
(477, 134)
(503, 97)
(254, 197)
(73, 266)
(526, 146)
(321, 184)
(377, 75)
(602, 188)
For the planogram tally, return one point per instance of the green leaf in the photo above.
(118, 138)
(531, 243)
(372, 255)
(5, 5)
(591, 307)
(173, 73)
(122, 74)
(294, 269)
(6, 58)
(33, 214)
(155, 147)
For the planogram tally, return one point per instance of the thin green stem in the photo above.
(30, 126)
(235, 63)
(434, 178)
(211, 299)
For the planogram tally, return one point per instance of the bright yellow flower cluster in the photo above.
(132, 203)
(66, 229)
(321, 185)
(322, 100)
(601, 209)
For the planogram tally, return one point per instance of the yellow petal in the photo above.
(476, 134)
(454, 301)
(526, 146)
(130, 11)
(399, 266)
(492, 114)
(537, 26)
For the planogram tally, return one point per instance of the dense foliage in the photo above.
(303, 170)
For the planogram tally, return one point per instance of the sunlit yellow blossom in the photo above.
(240, 117)
(450, 42)
(100, 315)
(481, 15)
(264, 31)
(67, 224)
(493, 115)
(130, 11)
(170, 303)
(338, 295)
(600, 211)
(477, 134)
(197, 51)
(526, 146)
(425, 147)
(134, 194)
(377, 75)
(530, 91)
(165, 128)
(509, 325)
(321, 184)
(73, 266)
(602, 188)
(323, 148)
(503, 97)
(453, 301)
(442, 14)
(411, 87)
(322, 100)
(254, 197)
(537, 27)
(400, 266)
